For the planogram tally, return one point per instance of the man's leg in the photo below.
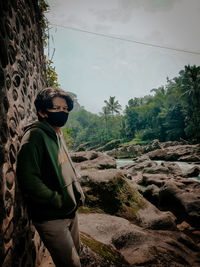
(74, 229)
(58, 240)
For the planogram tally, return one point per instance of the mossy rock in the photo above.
(111, 257)
(116, 197)
(110, 145)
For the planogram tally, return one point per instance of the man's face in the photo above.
(59, 104)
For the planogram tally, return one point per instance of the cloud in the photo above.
(150, 5)
(123, 12)
(122, 15)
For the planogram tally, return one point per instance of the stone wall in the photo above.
(22, 74)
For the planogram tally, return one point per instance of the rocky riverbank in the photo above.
(143, 214)
(168, 151)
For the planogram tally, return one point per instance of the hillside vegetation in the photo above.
(170, 112)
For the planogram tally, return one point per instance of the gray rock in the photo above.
(189, 153)
(84, 155)
(155, 144)
(173, 168)
(193, 172)
(185, 205)
(151, 193)
(92, 159)
(127, 151)
(110, 191)
(138, 246)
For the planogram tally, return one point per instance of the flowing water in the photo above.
(122, 162)
(183, 165)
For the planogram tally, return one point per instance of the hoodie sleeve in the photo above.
(29, 172)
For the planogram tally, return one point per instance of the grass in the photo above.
(116, 197)
(109, 254)
(135, 141)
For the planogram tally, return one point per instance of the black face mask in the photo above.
(57, 119)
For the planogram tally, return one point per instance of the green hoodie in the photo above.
(48, 195)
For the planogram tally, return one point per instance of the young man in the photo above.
(48, 179)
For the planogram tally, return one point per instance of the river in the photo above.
(183, 165)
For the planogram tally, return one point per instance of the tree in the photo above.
(190, 99)
(77, 106)
(113, 105)
(105, 114)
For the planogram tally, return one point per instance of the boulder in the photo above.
(141, 234)
(173, 143)
(173, 168)
(126, 151)
(168, 151)
(92, 159)
(84, 147)
(151, 193)
(84, 156)
(190, 158)
(184, 204)
(156, 179)
(156, 169)
(154, 145)
(109, 191)
(165, 186)
(96, 253)
(156, 175)
(152, 218)
(110, 145)
(193, 172)
(135, 169)
(189, 153)
(158, 154)
(138, 246)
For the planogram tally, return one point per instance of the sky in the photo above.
(103, 48)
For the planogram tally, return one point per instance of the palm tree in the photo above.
(113, 105)
(105, 114)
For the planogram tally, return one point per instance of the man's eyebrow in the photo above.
(60, 106)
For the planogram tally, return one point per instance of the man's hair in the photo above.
(44, 98)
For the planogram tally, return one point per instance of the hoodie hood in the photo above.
(43, 125)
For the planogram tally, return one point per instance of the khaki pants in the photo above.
(61, 238)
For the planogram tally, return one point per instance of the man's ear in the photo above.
(42, 115)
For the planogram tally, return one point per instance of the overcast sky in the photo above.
(95, 67)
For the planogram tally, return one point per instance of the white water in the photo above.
(122, 162)
(183, 165)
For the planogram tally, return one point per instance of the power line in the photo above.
(126, 40)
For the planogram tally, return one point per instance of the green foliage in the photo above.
(94, 129)
(43, 7)
(136, 141)
(112, 105)
(190, 98)
(110, 145)
(171, 113)
(68, 136)
(52, 76)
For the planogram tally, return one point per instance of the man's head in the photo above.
(51, 101)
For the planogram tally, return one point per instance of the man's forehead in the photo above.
(59, 101)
